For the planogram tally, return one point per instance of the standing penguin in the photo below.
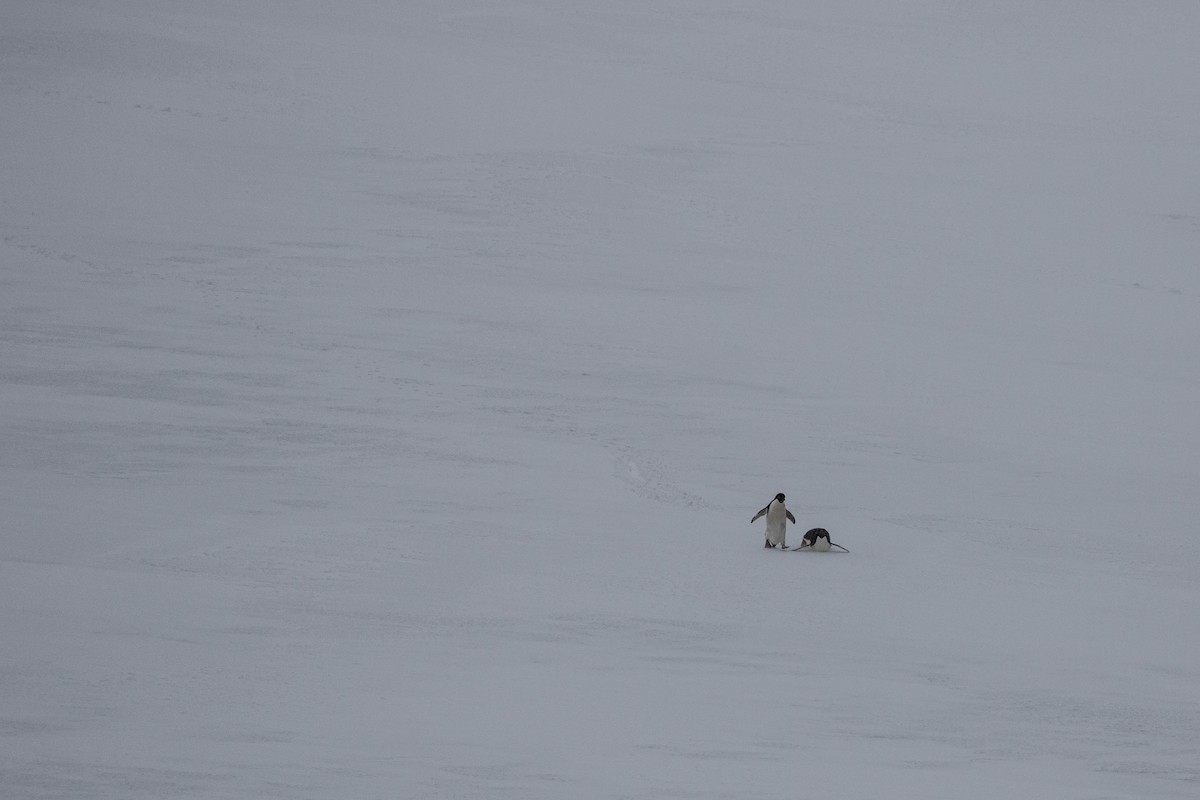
(777, 520)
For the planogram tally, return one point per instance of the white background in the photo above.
(386, 389)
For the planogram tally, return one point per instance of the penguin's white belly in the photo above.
(776, 526)
(821, 545)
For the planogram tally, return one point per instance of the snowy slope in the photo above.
(386, 390)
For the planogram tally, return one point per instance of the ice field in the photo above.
(386, 390)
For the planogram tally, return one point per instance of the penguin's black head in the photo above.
(779, 497)
(816, 533)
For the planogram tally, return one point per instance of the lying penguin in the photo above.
(818, 539)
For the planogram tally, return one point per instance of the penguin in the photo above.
(818, 539)
(777, 520)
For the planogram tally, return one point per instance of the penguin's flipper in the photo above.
(761, 513)
(790, 517)
(835, 544)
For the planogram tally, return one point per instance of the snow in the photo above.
(386, 388)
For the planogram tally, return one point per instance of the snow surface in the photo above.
(386, 389)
